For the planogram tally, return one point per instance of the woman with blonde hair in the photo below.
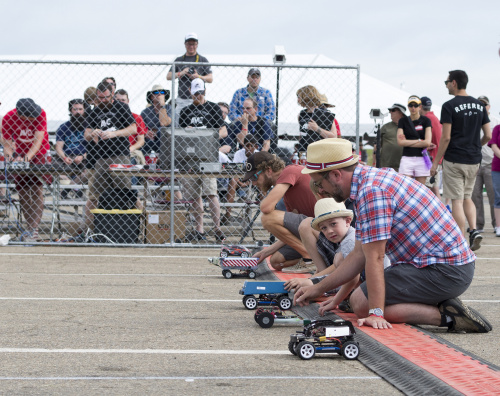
(315, 122)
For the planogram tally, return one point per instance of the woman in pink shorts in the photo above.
(414, 135)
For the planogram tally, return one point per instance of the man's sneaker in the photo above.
(497, 231)
(219, 235)
(195, 235)
(28, 236)
(302, 267)
(464, 318)
(475, 240)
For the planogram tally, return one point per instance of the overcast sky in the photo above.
(408, 44)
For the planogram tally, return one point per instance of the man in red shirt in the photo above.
(269, 174)
(436, 128)
(25, 137)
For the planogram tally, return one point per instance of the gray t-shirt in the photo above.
(184, 91)
(152, 119)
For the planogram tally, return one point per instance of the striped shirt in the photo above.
(418, 228)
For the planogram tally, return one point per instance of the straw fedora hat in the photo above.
(324, 101)
(329, 154)
(328, 208)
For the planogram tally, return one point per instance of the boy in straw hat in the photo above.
(431, 263)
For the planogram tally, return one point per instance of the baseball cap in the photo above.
(484, 99)
(27, 107)
(253, 71)
(191, 36)
(255, 160)
(426, 102)
(398, 106)
(197, 85)
(414, 99)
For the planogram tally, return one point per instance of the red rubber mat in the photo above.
(284, 276)
(463, 373)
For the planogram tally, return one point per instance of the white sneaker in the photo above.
(302, 267)
(497, 231)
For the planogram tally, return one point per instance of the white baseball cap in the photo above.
(191, 36)
(197, 85)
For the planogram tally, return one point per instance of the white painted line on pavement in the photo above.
(146, 351)
(115, 299)
(158, 275)
(95, 255)
(188, 379)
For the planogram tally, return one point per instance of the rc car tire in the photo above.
(265, 320)
(350, 350)
(285, 302)
(291, 347)
(244, 255)
(306, 350)
(223, 254)
(252, 275)
(227, 274)
(250, 302)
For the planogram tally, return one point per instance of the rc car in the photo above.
(245, 266)
(269, 294)
(235, 250)
(266, 317)
(325, 336)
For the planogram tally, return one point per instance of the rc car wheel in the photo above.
(350, 350)
(291, 347)
(306, 350)
(227, 274)
(223, 254)
(250, 302)
(265, 320)
(252, 275)
(284, 302)
(244, 255)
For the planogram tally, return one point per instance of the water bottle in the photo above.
(48, 157)
(295, 159)
(303, 159)
(152, 160)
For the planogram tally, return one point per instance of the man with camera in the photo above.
(187, 73)
(156, 116)
(390, 150)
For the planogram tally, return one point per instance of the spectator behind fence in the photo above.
(112, 82)
(202, 114)
(250, 146)
(325, 106)
(70, 143)
(315, 123)
(262, 96)
(25, 138)
(156, 116)
(137, 139)
(227, 144)
(252, 124)
(390, 151)
(483, 178)
(436, 130)
(414, 135)
(462, 117)
(89, 97)
(187, 73)
(108, 127)
(269, 174)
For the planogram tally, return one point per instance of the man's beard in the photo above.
(77, 121)
(336, 192)
(105, 106)
(267, 185)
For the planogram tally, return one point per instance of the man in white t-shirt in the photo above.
(250, 146)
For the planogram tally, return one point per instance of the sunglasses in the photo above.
(413, 105)
(318, 185)
(256, 175)
(393, 110)
(248, 108)
(446, 82)
(162, 92)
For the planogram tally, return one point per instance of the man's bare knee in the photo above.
(305, 227)
(359, 303)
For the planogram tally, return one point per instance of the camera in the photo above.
(279, 55)
(191, 70)
(377, 114)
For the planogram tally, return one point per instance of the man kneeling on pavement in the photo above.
(431, 262)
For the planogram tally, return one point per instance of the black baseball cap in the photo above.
(426, 102)
(254, 161)
(253, 71)
(27, 107)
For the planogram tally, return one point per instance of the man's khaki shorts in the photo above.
(101, 178)
(458, 180)
(196, 187)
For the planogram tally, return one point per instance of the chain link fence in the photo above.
(150, 154)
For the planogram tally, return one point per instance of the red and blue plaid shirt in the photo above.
(417, 226)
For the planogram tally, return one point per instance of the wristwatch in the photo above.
(376, 312)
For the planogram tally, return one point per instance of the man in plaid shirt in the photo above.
(263, 97)
(431, 263)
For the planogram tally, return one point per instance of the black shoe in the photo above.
(195, 235)
(219, 236)
(475, 240)
(345, 306)
(464, 318)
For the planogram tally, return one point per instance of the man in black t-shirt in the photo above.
(187, 73)
(251, 123)
(202, 114)
(107, 128)
(462, 117)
